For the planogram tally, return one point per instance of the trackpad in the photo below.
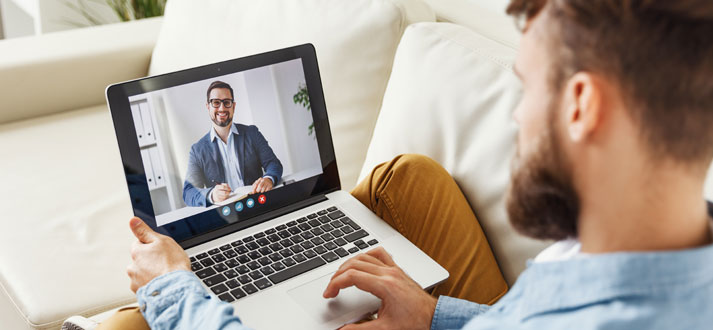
(350, 301)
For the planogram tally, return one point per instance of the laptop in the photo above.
(193, 143)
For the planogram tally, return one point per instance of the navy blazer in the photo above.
(205, 165)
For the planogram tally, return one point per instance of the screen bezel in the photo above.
(117, 96)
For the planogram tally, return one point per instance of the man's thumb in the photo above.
(141, 230)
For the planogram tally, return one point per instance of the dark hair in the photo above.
(219, 84)
(658, 52)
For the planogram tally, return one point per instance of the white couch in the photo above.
(443, 89)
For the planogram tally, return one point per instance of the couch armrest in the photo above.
(69, 70)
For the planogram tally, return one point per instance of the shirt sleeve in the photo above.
(271, 178)
(453, 313)
(178, 301)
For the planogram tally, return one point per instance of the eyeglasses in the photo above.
(215, 103)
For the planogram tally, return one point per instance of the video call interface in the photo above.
(225, 144)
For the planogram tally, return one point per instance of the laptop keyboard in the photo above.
(257, 262)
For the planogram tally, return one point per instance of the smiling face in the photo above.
(221, 116)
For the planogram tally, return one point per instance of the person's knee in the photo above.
(420, 164)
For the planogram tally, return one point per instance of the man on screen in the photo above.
(231, 155)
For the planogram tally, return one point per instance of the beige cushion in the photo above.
(355, 42)
(65, 238)
(450, 97)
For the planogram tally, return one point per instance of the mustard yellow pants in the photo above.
(417, 197)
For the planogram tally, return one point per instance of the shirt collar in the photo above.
(214, 134)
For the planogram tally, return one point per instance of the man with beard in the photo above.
(616, 136)
(242, 153)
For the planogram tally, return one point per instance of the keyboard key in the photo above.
(205, 272)
(255, 275)
(336, 223)
(324, 219)
(307, 235)
(302, 219)
(373, 242)
(340, 241)
(291, 223)
(351, 223)
(263, 241)
(353, 249)
(307, 245)
(236, 243)
(355, 236)
(252, 246)
(226, 297)
(232, 284)
(304, 226)
(281, 227)
(242, 269)
(248, 239)
(312, 216)
(278, 266)
(294, 230)
(243, 259)
(314, 223)
(310, 254)
(249, 289)
(296, 249)
(193, 259)
(327, 227)
(363, 246)
(332, 209)
(330, 246)
(276, 247)
(218, 258)
(327, 237)
(232, 263)
(241, 249)
(263, 284)
(358, 242)
(286, 243)
(317, 241)
(254, 255)
(202, 255)
(330, 256)
(214, 251)
(320, 249)
(267, 270)
(347, 229)
(219, 289)
(231, 273)
(298, 258)
(296, 270)
(196, 266)
(289, 262)
(207, 262)
(253, 265)
(274, 238)
(323, 212)
(225, 247)
(221, 267)
(297, 239)
(265, 261)
(244, 279)
(336, 233)
(259, 235)
(286, 253)
(341, 252)
(271, 231)
(230, 254)
(238, 293)
(265, 250)
(335, 215)
(215, 279)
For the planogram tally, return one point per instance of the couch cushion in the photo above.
(355, 42)
(65, 238)
(450, 97)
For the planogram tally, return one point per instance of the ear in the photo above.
(583, 106)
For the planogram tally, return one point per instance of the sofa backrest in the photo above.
(355, 42)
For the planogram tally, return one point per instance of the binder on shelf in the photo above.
(138, 123)
(157, 166)
(146, 158)
(148, 123)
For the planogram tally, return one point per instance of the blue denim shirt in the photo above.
(625, 290)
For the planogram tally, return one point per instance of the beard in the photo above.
(542, 201)
(222, 123)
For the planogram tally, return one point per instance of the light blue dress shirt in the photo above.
(625, 290)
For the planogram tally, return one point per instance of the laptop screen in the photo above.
(211, 150)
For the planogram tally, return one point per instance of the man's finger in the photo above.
(381, 254)
(142, 231)
(362, 280)
(361, 326)
(360, 257)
